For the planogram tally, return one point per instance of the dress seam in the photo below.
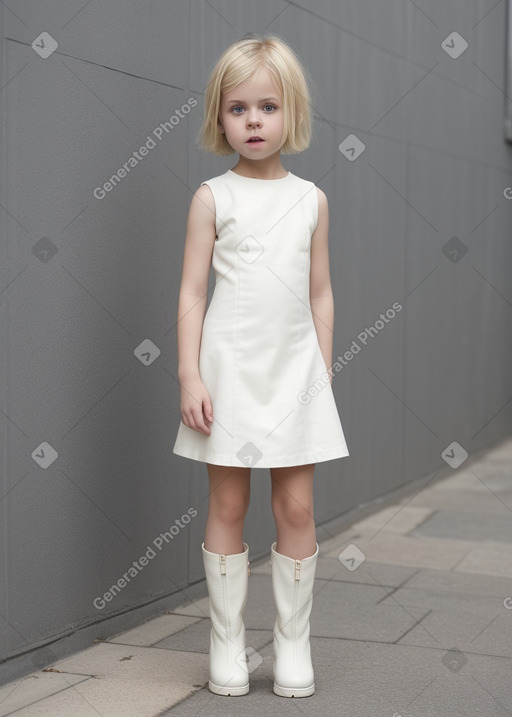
(297, 357)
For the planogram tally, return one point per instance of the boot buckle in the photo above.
(222, 560)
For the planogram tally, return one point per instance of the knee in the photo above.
(296, 514)
(229, 508)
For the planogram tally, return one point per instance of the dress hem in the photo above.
(280, 462)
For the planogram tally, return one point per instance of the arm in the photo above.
(320, 290)
(191, 307)
(194, 281)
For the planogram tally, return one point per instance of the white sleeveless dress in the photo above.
(260, 359)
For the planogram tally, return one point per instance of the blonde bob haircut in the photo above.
(238, 63)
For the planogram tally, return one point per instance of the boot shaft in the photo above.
(292, 587)
(227, 579)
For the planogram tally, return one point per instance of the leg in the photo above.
(293, 559)
(227, 576)
(292, 507)
(227, 508)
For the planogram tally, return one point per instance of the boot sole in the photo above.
(228, 691)
(294, 691)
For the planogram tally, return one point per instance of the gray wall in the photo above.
(84, 281)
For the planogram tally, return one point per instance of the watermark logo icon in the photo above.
(45, 45)
(454, 45)
(44, 454)
(351, 147)
(351, 557)
(44, 249)
(249, 249)
(147, 352)
(249, 454)
(454, 659)
(454, 455)
(454, 249)
(249, 657)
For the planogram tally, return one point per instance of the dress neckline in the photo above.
(258, 179)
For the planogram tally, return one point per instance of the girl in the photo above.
(255, 390)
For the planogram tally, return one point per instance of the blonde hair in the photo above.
(238, 63)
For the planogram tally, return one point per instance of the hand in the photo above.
(195, 405)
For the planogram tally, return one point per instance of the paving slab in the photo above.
(472, 501)
(394, 519)
(474, 583)
(35, 688)
(155, 630)
(464, 526)
(479, 623)
(123, 680)
(488, 560)
(386, 547)
(473, 634)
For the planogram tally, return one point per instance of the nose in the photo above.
(254, 120)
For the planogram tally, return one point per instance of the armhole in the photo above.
(207, 182)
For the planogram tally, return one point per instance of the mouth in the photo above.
(254, 140)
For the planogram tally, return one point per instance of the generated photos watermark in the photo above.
(138, 565)
(363, 338)
(163, 129)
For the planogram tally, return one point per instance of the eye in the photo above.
(239, 107)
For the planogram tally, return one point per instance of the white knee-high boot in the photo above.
(227, 579)
(292, 585)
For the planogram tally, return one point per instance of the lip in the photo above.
(254, 137)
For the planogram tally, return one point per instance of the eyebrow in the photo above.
(265, 99)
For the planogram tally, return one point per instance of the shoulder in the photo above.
(323, 211)
(321, 221)
(212, 188)
(203, 194)
(314, 190)
(322, 199)
(202, 206)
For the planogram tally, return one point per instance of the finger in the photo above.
(199, 423)
(208, 410)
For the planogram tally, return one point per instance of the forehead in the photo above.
(261, 85)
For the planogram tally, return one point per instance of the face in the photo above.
(253, 108)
